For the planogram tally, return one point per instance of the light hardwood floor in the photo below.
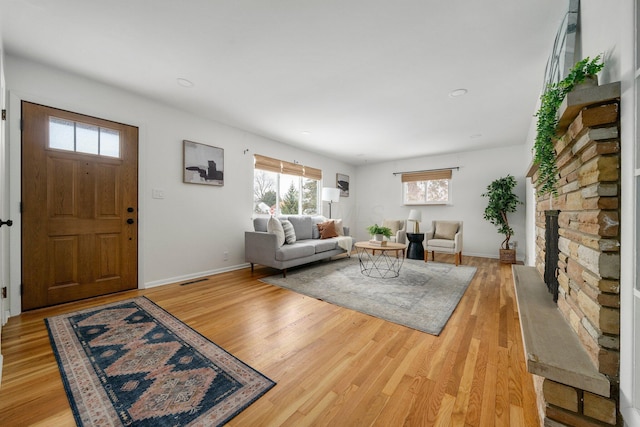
(333, 366)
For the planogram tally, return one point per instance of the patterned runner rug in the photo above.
(422, 297)
(132, 363)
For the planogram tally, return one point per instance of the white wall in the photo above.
(380, 196)
(185, 234)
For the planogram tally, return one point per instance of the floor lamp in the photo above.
(331, 195)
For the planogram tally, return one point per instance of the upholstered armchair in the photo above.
(398, 229)
(444, 237)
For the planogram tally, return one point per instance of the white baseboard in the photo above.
(176, 279)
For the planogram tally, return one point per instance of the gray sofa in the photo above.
(261, 247)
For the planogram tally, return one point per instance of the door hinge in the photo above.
(4, 292)
(21, 289)
(20, 207)
(4, 114)
(21, 124)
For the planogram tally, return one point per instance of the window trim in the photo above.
(282, 167)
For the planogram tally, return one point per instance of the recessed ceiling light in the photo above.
(306, 132)
(475, 136)
(184, 82)
(457, 92)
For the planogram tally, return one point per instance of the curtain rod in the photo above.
(429, 170)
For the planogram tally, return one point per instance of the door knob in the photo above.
(129, 209)
(8, 223)
(130, 221)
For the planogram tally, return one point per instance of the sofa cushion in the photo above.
(325, 245)
(441, 243)
(445, 230)
(289, 232)
(327, 230)
(297, 250)
(302, 226)
(260, 223)
(275, 227)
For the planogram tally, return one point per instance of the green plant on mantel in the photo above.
(377, 229)
(502, 200)
(544, 152)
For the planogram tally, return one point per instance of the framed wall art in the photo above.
(342, 182)
(203, 164)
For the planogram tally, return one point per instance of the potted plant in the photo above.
(544, 151)
(379, 232)
(502, 201)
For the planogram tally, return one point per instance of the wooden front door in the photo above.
(79, 206)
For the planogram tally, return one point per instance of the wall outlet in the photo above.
(226, 255)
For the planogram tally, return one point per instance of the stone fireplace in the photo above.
(577, 253)
(551, 254)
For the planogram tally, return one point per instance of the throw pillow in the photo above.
(315, 233)
(394, 225)
(327, 230)
(445, 230)
(275, 227)
(339, 227)
(289, 232)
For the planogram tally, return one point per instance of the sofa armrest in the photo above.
(458, 241)
(260, 247)
(401, 236)
(429, 235)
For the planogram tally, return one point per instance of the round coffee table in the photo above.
(385, 264)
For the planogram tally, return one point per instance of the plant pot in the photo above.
(378, 237)
(589, 82)
(508, 256)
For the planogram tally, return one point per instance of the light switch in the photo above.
(157, 193)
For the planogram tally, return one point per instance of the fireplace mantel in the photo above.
(552, 349)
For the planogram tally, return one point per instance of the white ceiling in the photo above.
(358, 80)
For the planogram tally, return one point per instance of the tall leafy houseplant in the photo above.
(544, 152)
(502, 200)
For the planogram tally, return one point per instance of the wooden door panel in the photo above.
(62, 187)
(107, 186)
(77, 242)
(63, 262)
(108, 256)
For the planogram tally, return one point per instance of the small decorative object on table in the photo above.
(379, 232)
(378, 242)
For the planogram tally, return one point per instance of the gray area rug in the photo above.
(422, 297)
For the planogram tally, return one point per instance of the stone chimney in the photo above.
(588, 266)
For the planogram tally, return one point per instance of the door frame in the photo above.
(14, 140)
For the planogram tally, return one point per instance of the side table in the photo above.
(415, 249)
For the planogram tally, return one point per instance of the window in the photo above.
(285, 188)
(83, 138)
(427, 187)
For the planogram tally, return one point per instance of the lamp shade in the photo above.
(415, 215)
(330, 194)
